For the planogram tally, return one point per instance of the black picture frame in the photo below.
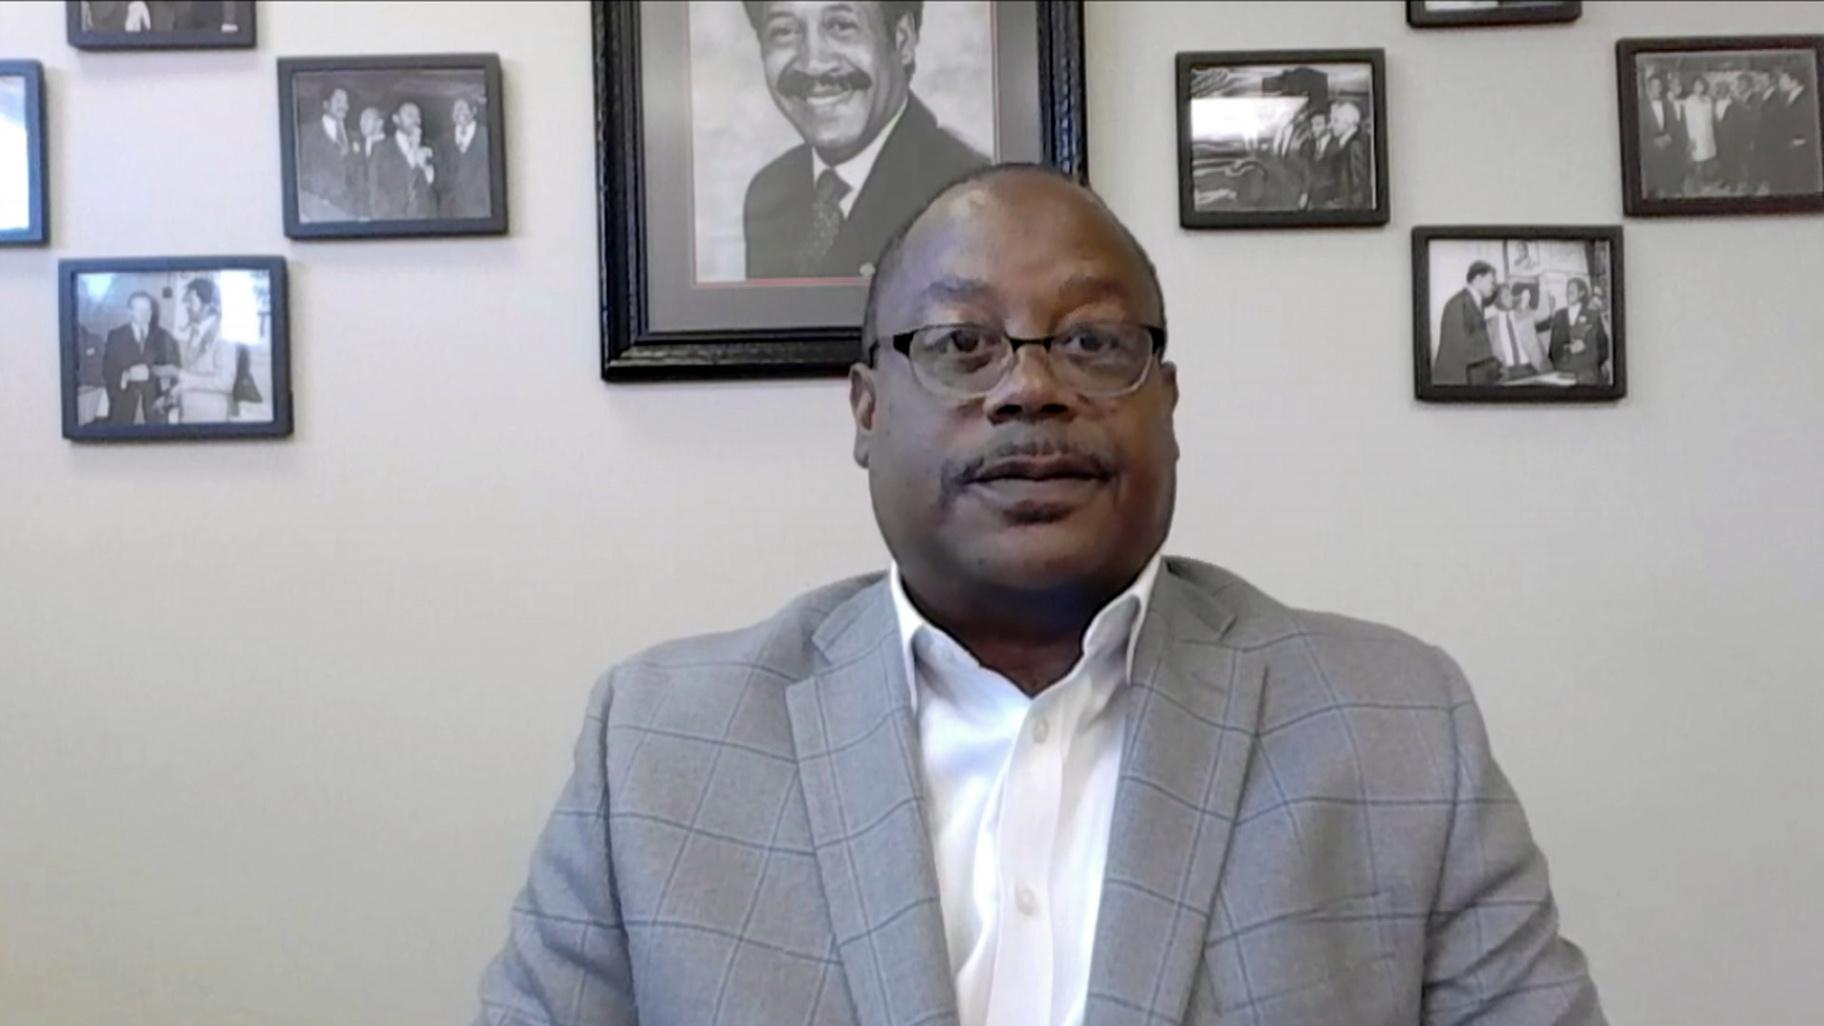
(632, 351)
(487, 63)
(1420, 16)
(1635, 202)
(169, 39)
(1422, 238)
(1188, 214)
(37, 230)
(68, 271)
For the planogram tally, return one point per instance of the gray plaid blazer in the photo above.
(1308, 829)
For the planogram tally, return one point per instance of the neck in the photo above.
(1031, 637)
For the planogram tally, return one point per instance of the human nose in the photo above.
(1030, 389)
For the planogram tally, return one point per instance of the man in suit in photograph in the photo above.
(326, 164)
(841, 72)
(1793, 167)
(1035, 773)
(131, 353)
(1662, 142)
(403, 177)
(464, 189)
(1465, 355)
(1580, 343)
(1349, 177)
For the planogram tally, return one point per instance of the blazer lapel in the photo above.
(857, 755)
(1190, 729)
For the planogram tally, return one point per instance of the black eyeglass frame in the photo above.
(902, 344)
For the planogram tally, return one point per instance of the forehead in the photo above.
(1017, 241)
(811, 9)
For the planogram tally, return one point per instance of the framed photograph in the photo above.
(24, 202)
(390, 147)
(1720, 125)
(174, 347)
(1510, 313)
(1282, 139)
(159, 24)
(753, 158)
(1457, 13)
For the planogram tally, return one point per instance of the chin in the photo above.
(1042, 557)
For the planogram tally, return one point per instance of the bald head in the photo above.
(1002, 212)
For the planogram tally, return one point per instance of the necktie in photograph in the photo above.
(826, 220)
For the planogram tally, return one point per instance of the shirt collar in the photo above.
(331, 126)
(855, 170)
(1118, 623)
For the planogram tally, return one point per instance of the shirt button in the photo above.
(1026, 901)
(1041, 729)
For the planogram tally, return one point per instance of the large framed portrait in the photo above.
(174, 348)
(1459, 13)
(24, 204)
(754, 157)
(1518, 313)
(1282, 139)
(1720, 125)
(159, 24)
(391, 147)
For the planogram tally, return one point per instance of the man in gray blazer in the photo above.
(1036, 773)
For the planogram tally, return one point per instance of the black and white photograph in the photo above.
(1282, 139)
(173, 348)
(160, 24)
(805, 158)
(1721, 126)
(757, 155)
(1517, 313)
(22, 166)
(1459, 13)
(392, 146)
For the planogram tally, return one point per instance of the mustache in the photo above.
(1015, 457)
(797, 84)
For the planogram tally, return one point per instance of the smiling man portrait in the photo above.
(1035, 772)
(841, 72)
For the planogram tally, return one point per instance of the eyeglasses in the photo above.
(1100, 360)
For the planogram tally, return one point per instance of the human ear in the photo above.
(862, 399)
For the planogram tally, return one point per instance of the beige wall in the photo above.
(278, 722)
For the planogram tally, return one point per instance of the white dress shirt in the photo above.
(1022, 795)
(855, 170)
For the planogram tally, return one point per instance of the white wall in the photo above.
(278, 722)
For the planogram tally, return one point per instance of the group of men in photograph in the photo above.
(1752, 132)
(161, 15)
(1492, 332)
(1334, 156)
(385, 170)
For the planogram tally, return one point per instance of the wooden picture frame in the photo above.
(1042, 38)
(1503, 366)
(1264, 164)
(1664, 170)
(36, 230)
(441, 203)
(1420, 15)
(242, 14)
(96, 300)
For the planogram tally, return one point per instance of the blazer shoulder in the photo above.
(779, 180)
(1355, 659)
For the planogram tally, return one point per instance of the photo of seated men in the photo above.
(1547, 326)
(391, 146)
(168, 348)
(162, 15)
(1729, 124)
(1271, 138)
(820, 126)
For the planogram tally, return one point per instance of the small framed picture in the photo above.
(159, 24)
(174, 347)
(1282, 139)
(1511, 313)
(1456, 13)
(1720, 125)
(389, 147)
(24, 204)
(754, 158)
